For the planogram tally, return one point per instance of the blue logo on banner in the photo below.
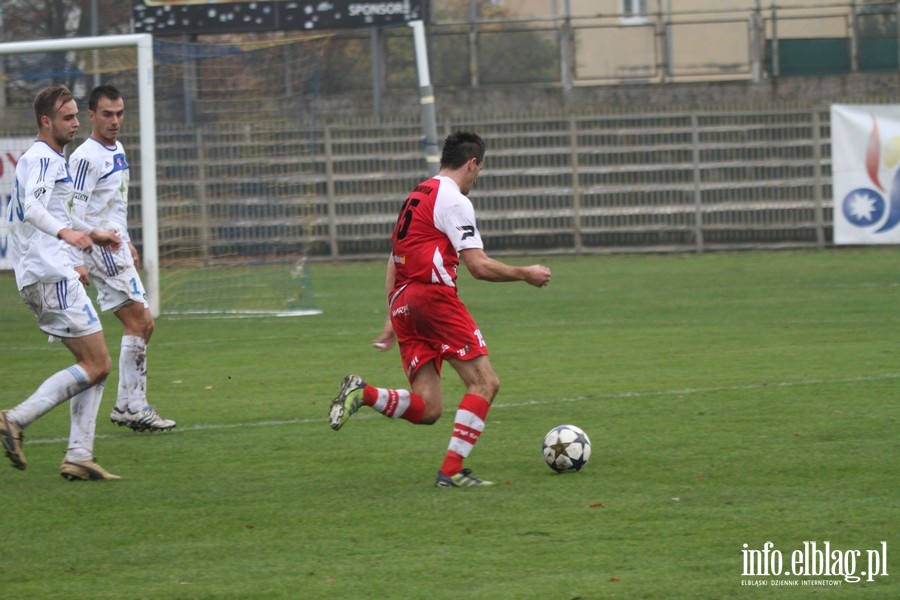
(863, 207)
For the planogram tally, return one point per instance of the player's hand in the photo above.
(110, 239)
(385, 341)
(83, 275)
(79, 239)
(538, 276)
(134, 255)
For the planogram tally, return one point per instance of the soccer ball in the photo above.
(566, 448)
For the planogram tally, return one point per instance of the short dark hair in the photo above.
(48, 99)
(102, 91)
(460, 147)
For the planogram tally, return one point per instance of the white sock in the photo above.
(132, 392)
(83, 411)
(55, 390)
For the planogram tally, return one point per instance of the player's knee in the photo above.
(98, 368)
(488, 388)
(495, 387)
(105, 367)
(431, 416)
(144, 323)
(149, 326)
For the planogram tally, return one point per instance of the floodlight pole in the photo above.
(144, 44)
(426, 99)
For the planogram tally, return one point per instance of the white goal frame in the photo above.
(143, 42)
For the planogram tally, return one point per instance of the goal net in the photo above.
(232, 176)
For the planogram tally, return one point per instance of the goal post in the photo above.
(143, 43)
(231, 184)
(225, 199)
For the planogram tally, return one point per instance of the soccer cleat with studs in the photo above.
(463, 479)
(347, 402)
(120, 417)
(11, 438)
(146, 420)
(85, 470)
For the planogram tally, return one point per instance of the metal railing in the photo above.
(763, 40)
(573, 184)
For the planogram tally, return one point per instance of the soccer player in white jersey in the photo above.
(46, 246)
(435, 229)
(100, 172)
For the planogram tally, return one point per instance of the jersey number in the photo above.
(406, 215)
(91, 316)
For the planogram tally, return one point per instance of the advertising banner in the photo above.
(167, 17)
(865, 162)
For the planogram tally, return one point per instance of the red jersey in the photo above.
(436, 223)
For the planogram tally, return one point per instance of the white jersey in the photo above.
(101, 179)
(42, 188)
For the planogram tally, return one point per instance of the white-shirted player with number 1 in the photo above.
(100, 171)
(45, 245)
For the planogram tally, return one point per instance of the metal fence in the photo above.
(573, 184)
(762, 40)
(501, 50)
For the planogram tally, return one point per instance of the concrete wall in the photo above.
(511, 101)
(802, 91)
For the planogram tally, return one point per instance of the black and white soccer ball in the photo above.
(566, 448)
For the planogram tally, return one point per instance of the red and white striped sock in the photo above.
(467, 427)
(396, 404)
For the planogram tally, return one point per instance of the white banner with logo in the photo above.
(10, 151)
(865, 165)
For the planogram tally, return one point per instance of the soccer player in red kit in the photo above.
(435, 229)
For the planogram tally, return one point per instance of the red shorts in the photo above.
(432, 324)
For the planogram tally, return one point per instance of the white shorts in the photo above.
(63, 309)
(114, 275)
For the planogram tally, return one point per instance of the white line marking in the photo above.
(620, 395)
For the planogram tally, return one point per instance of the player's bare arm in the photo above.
(106, 238)
(387, 337)
(134, 255)
(483, 267)
(83, 276)
(76, 238)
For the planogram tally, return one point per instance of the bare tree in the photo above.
(54, 19)
(24, 20)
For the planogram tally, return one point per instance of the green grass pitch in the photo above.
(731, 399)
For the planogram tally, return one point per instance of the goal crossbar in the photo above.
(143, 42)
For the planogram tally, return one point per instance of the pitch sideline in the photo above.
(501, 405)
